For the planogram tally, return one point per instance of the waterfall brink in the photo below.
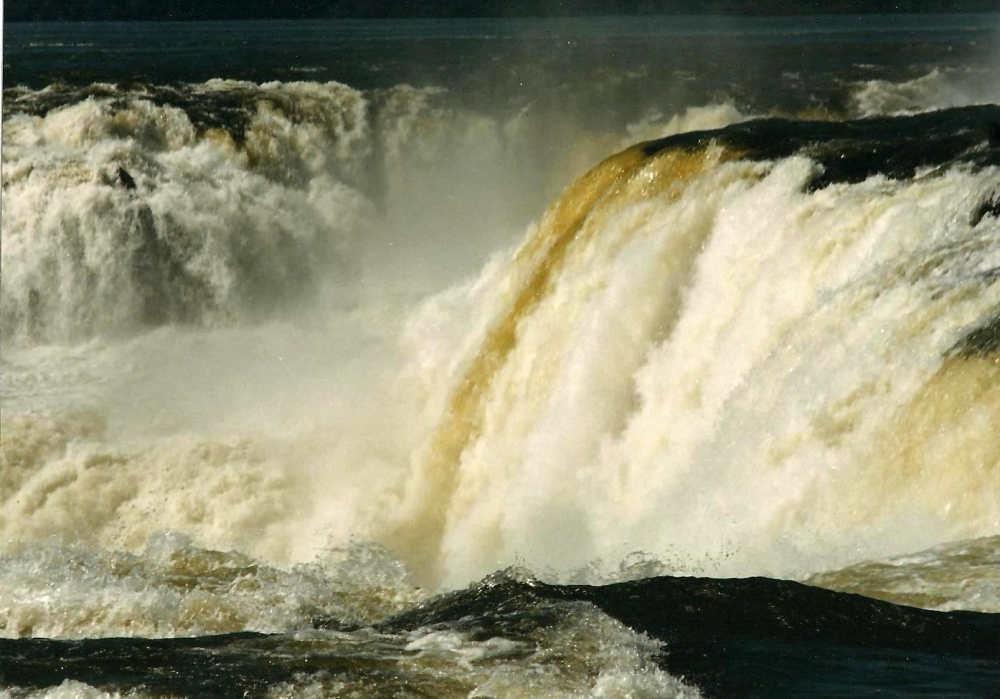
(730, 349)
(561, 241)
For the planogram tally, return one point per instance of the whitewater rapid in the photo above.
(707, 362)
(702, 359)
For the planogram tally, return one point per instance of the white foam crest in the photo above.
(736, 380)
(172, 588)
(70, 689)
(935, 90)
(585, 654)
(955, 575)
(781, 372)
(305, 130)
(697, 118)
(836, 427)
(589, 655)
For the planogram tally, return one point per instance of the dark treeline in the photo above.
(83, 10)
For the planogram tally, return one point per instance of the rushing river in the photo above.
(501, 358)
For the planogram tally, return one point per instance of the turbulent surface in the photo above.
(517, 637)
(284, 359)
(872, 242)
(739, 335)
(218, 202)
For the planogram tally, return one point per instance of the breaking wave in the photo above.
(937, 89)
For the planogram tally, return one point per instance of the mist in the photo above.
(328, 256)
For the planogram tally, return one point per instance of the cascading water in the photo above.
(699, 356)
(286, 365)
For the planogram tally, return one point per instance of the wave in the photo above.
(512, 635)
(568, 649)
(950, 576)
(936, 90)
(174, 589)
(716, 632)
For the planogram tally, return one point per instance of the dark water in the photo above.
(761, 63)
(766, 638)
(731, 638)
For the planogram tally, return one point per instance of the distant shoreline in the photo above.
(235, 10)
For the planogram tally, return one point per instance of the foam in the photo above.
(955, 575)
(714, 371)
(689, 356)
(937, 89)
(172, 588)
(195, 231)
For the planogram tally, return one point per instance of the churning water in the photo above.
(325, 344)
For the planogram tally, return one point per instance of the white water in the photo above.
(328, 185)
(209, 233)
(740, 379)
(719, 371)
(935, 90)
